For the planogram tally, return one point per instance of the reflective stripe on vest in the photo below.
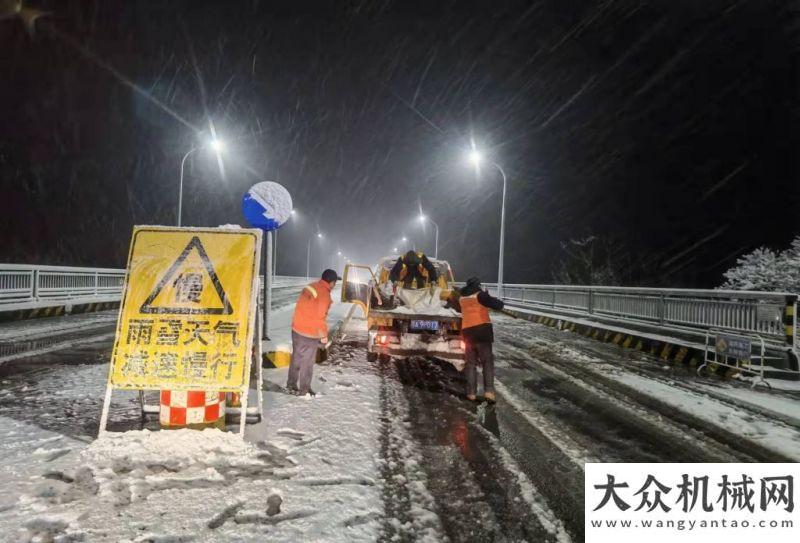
(310, 311)
(472, 312)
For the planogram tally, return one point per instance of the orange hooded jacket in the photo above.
(311, 311)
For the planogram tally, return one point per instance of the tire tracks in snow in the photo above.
(482, 493)
(408, 507)
(670, 433)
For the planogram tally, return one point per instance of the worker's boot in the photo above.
(489, 397)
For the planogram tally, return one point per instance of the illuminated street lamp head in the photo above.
(319, 235)
(217, 145)
(475, 157)
(339, 253)
(422, 218)
(405, 238)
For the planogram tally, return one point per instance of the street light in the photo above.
(422, 219)
(476, 158)
(218, 146)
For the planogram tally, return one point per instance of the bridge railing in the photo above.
(767, 314)
(23, 286)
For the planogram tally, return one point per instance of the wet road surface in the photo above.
(508, 472)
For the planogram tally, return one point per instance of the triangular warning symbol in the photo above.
(189, 287)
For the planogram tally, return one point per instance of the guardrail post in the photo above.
(790, 320)
(662, 309)
(590, 302)
(96, 282)
(35, 285)
(554, 299)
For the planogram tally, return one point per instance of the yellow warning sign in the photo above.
(187, 314)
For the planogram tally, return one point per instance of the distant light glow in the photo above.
(422, 218)
(319, 235)
(394, 250)
(294, 211)
(339, 253)
(405, 238)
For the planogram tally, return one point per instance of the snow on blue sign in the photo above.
(267, 206)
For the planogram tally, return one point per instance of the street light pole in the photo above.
(308, 256)
(180, 186)
(423, 218)
(502, 233)
(476, 158)
(215, 144)
(308, 261)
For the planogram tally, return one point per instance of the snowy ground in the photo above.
(384, 452)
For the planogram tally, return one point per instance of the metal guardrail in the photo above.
(772, 316)
(24, 287)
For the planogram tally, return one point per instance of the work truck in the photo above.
(402, 321)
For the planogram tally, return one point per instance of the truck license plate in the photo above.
(425, 325)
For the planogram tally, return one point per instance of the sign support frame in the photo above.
(267, 285)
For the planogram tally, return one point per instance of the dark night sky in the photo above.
(668, 128)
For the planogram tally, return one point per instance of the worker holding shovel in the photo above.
(478, 335)
(309, 332)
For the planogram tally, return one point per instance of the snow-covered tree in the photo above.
(767, 270)
(789, 263)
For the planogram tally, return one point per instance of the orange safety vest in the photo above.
(472, 312)
(311, 311)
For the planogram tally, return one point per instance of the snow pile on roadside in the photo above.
(168, 485)
(172, 451)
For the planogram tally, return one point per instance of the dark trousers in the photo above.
(479, 353)
(304, 356)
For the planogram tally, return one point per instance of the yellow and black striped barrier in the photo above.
(669, 352)
(56, 311)
(789, 319)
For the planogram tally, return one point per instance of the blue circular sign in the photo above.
(267, 206)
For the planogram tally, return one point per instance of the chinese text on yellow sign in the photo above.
(186, 320)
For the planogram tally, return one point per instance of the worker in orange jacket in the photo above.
(309, 331)
(478, 335)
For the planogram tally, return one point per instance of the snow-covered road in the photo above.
(385, 452)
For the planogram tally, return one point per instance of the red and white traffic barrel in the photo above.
(192, 409)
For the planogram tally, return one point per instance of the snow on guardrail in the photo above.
(24, 286)
(771, 315)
